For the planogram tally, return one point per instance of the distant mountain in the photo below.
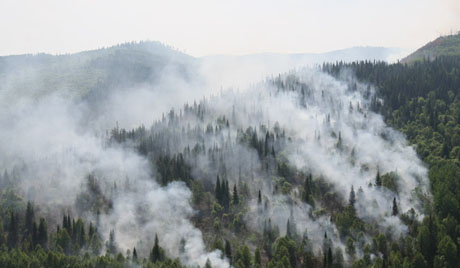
(147, 75)
(90, 73)
(443, 46)
(241, 70)
(346, 55)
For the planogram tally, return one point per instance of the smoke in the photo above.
(331, 132)
(57, 143)
(54, 146)
(329, 112)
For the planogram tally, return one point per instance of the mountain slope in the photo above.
(91, 74)
(80, 74)
(443, 46)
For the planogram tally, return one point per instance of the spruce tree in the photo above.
(378, 180)
(111, 244)
(228, 251)
(29, 218)
(2, 238)
(13, 232)
(225, 195)
(208, 264)
(395, 210)
(134, 255)
(352, 198)
(288, 229)
(257, 257)
(42, 236)
(156, 254)
(218, 190)
(329, 258)
(236, 199)
(34, 234)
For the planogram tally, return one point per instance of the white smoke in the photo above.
(59, 152)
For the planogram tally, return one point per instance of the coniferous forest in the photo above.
(344, 165)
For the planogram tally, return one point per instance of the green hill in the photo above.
(442, 46)
(91, 73)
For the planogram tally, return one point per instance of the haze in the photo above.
(224, 27)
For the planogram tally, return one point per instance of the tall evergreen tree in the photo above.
(307, 189)
(157, 252)
(228, 251)
(236, 199)
(35, 234)
(42, 236)
(378, 179)
(135, 258)
(29, 218)
(218, 190)
(208, 264)
(257, 258)
(13, 231)
(288, 229)
(329, 259)
(225, 195)
(395, 210)
(352, 198)
(111, 244)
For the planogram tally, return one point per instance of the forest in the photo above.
(314, 168)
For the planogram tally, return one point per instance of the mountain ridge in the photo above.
(448, 45)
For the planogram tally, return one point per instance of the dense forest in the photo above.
(280, 176)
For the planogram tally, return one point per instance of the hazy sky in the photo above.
(203, 27)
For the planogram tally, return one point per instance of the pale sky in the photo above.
(206, 27)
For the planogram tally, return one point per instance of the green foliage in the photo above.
(390, 181)
(243, 257)
(443, 46)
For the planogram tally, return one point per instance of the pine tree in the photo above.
(228, 251)
(156, 253)
(91, 230)
(42, 236)
(339, 142)
(329, 258)
(378, 180)
(35, 234)
(225, 195)
(111, 244)
(64, 222)
(208, 264)
(288, 229)
(2, 238)
(13, 232)
(306, 195)
(352, 198)
(267, 137)
(218, 190)
(395, 210)
(236, 199)
(29, 218)
(134, 255)
(257, 257)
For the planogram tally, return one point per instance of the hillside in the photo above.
(147, 75)
(94, 73)
(90, 72)
(298, 170)
(443, 46)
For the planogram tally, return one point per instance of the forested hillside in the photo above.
(423, 101)
(304, 169)
(448, 45)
